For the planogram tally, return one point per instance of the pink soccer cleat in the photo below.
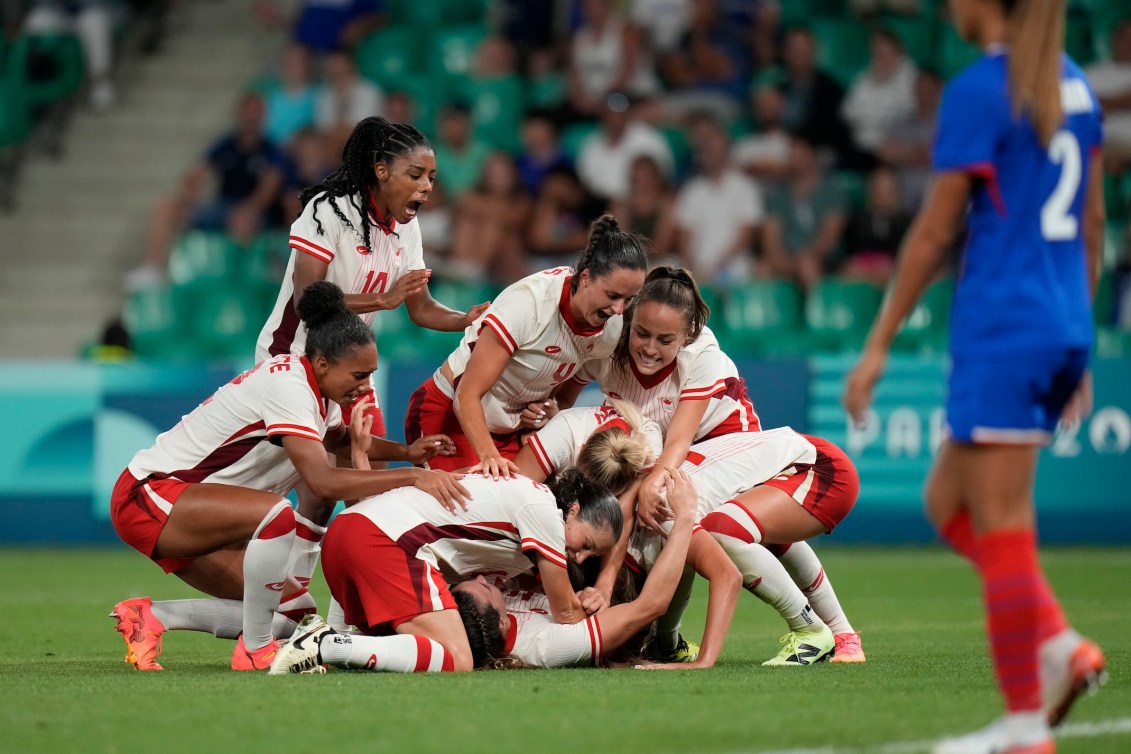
(255, 659)
(848, 648)
(141, 632)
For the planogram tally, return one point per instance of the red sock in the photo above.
(1016, 596)
(958, 532)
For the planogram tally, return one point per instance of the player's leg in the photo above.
(431, 412)
(807, 573)
(945, 496)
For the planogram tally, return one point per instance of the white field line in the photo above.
(1071, 730)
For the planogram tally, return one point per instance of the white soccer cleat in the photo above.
(1071, 666)
(1010, 734)
(299, 654)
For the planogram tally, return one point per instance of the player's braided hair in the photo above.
(596, 505)
(481, 624)
(670, 286)
(613, 457)
(332, 330)
(608, 248)
(373, 140)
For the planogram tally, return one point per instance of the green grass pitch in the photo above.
(64, 687)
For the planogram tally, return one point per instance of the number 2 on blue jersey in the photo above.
(1057, 221)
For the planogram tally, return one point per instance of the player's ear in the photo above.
(382, 171)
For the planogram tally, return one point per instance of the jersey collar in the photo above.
(581, 328)
(387, 226)
(310, 379)
(650, 381)
(512, 635)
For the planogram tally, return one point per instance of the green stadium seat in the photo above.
(1079, 41)
(1113, 342)
(838, 314)
(496, 110)
(1103, 304)
(60, 55)
(387, 55)
(224, 320)
(428, 95)
(452, 50)
(763, 317)
(155, 329)
(926, 327)
(677, 141)
(433, 13)
(854, 188)
(842, 46)
(204, 255)
(919, 35)
(265, 261)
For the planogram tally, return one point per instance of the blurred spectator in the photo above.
(310, 158)
(882, 95)
(292, 99)
(93, 22)
(527, 24)
(607, 54)
(399, 107)
(812, 97)
(907, 144)
(559, 228)
(804, 218)
(1121, 284)
(248, 169)
(344, 99)
(871, 8)
(459, 156)
(764, 155)
(546, 87)
(1111, 81)
(718, 211)
(873, 235)
(541, 151)
(488, 226)
(710, 68)
(664, 22)
(649, 209)
(325, 25)
(606, 155)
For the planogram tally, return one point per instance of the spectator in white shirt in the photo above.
(883, 94)
(1111, 81)
(605, 158)
(344, 99)
(764, 155)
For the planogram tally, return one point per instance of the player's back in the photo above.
(1023, 278)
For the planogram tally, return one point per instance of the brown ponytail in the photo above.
(1036, 39)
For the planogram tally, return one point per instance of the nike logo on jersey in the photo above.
(362, 250)
(553, 349)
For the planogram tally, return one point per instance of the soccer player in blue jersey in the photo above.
(1017, 148)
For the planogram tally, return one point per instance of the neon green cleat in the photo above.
(685, 651)
(804, 647)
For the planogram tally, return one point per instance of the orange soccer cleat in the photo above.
(848, 648)
(140, 630)
(254, 659)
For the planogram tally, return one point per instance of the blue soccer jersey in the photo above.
(1023, 279)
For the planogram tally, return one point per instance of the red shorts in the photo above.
(378, 429)
(430, 412)
(827, 488)
(139, 510)
(378, 584)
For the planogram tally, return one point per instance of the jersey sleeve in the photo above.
(511, 318)
(555, 444)
(705, 375)
(414, 250)
(305, 236)
(545, 644)
(289, 408)
(539, 524)
(970, 123)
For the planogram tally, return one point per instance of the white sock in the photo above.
(666, 635)
(221, 618)
(264, 573)
(765, 577)
(336, 617)
(403, 653)
(308, 543)
(298, 605)
(805, 569)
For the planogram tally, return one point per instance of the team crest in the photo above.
(667, 404)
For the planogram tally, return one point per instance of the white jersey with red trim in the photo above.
(724, 467)
(396, 250)
(507, 522)
(533, 321)
(235, 436)
(701, 371)
(557, 445)
(540, 643)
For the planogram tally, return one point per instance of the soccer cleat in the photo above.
(300, 653)
(685, 651)
(254, 659)
(998, 738)
(141, 631)
(847, 648)
(1062, 683)
(803, 647)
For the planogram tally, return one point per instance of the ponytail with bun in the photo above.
(332, 330)
(613, 457)
(596, 505)
(608, 248)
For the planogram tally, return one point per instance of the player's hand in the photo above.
(682, 497)
(651, 509)
(537, 415)
(474, 313)
(410, 284)
(361, 423)
(860, 383)
(445, 487)
(425, 448)
(496, 467)
(593, 600)
(1079, 406)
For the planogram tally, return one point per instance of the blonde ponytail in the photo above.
(1036, 39)
(612, 457)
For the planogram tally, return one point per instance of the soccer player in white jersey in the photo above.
(387, 557)
(206, 501)
(519, 356)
